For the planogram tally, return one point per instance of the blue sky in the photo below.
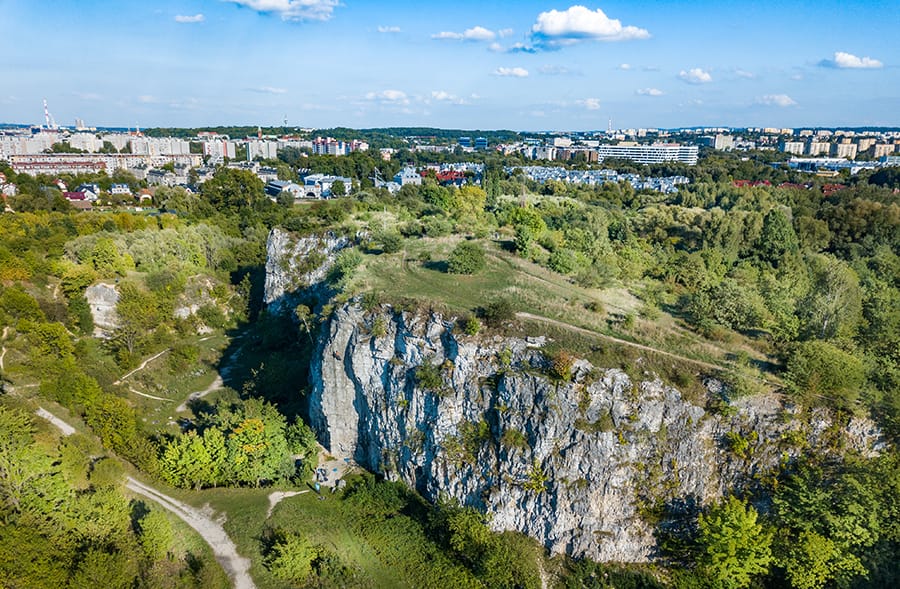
(524, 65)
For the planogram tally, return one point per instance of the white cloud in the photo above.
(842, 60)
(797, 77)
(389, 97)
(294, 10)
(505, 32)
(514, 72)
(147, 99)
(781, 100)
(496, 47)
(268, 90)
(185, 18)
(695, 76)
(556, 28)
(442, 96)
(649, 92)
(384, 29)
(555, 70)
(744, 74)
(476, 33)
(590, 103)
(625, 66)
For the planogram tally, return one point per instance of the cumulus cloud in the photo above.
(625, 66)
(514, 72)
(781, 100)
(443, 96)
(505, 32)
(558, 28)
(268, 90)
(589, 103)
(389, 97)
(293, 10)
(842, 60)
(147, 99)
(476, 33)
(384, 29)
(695, 76)
(186, 18)
(649, 92)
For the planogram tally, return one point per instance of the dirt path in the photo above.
(65, 428)
(3, 353)
(278, 496)
(142, 366)
(136, 392)
(236, 566)
(564, 325)
(216, 384)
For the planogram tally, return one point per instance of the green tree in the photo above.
(156, 535)
(833, 306)
(821, 372)
(338, 188)
(234, 190)
(733, 545)
(777, 237)
(466, 258)
(291, 558)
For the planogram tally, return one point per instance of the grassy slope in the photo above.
(539, 291)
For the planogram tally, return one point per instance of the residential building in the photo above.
(844, 150)
(794, 147)
(408, 175)
(276, 188)
(651, 154)
(481, 143)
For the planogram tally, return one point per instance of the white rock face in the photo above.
(102, 299)
(294, 264)
(605, 445)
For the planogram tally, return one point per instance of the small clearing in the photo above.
(215, 385)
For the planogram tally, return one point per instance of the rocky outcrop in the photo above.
(295, 264)
(578, 465)
(102, 299)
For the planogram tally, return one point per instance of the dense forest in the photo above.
(798, 280)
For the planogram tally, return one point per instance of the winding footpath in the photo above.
(236, 566)
(142, 366)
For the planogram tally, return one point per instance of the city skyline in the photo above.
(524, 66)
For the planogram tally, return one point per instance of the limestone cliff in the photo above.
(575, 465)
(296, 264)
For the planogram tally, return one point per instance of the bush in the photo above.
(499, 312)
(466, 258)
(513, 438)
(561, 366)
(390, 242)
(428, 377)
(470, 325)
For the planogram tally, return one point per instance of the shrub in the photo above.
(561, 366)
(466, 258)
(428, 377)
(471, 325)
(499, 312)
(513, 438)
(390, 242)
